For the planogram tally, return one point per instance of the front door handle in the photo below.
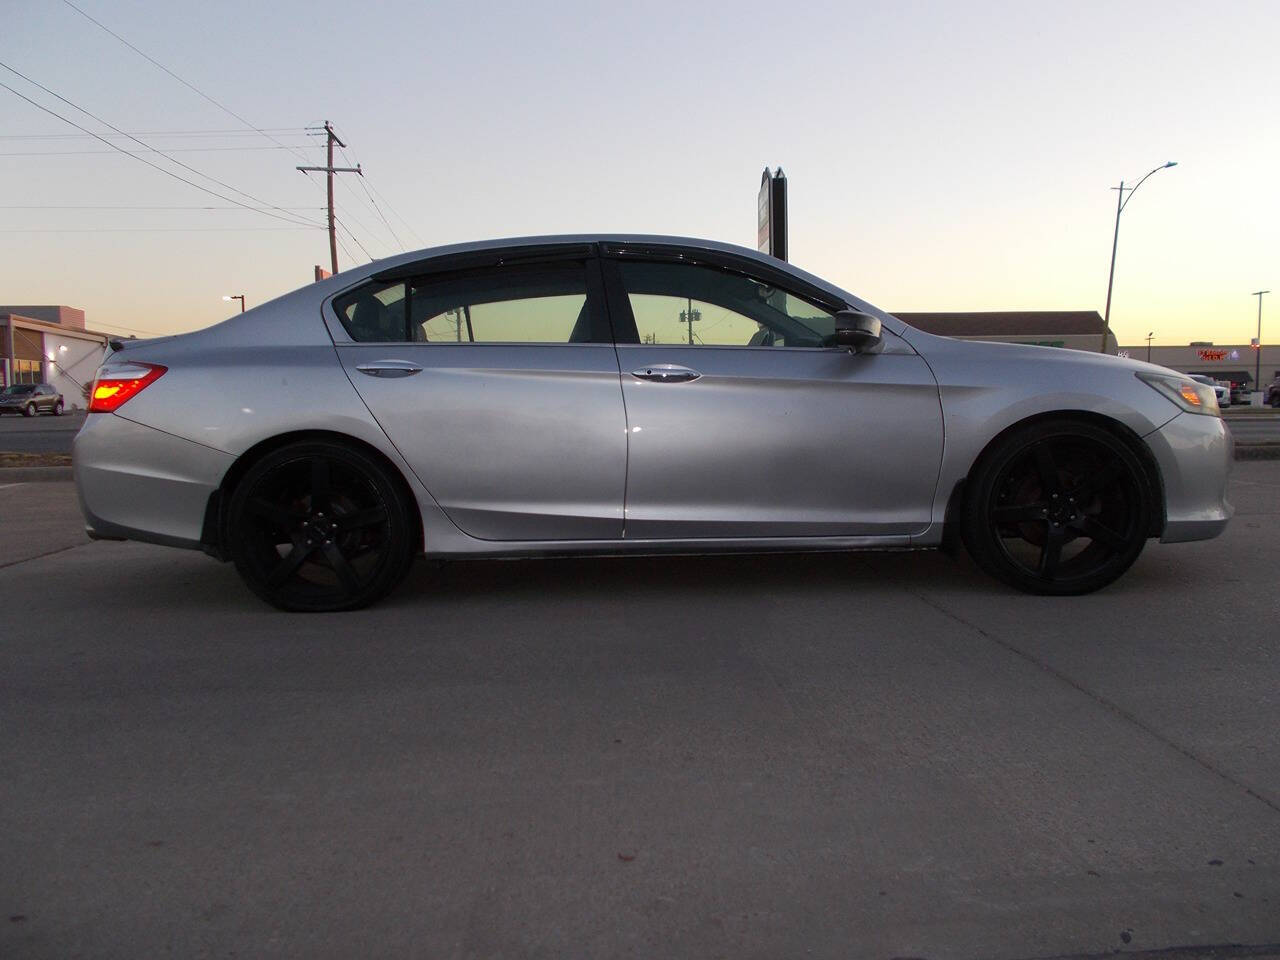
(666, 373)
(389, 368)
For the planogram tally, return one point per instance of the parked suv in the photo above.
(30, 398)
(1273, 392)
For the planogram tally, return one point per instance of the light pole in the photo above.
(1257, 348)
(237, 296)
(1121, 200)
(1149, 336)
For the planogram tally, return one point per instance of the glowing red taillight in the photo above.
(116, 383)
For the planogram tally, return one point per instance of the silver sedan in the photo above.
(629, 394)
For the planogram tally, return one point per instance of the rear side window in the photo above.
(543, 303)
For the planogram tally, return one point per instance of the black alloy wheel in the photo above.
(318, 526)
(1058, 507)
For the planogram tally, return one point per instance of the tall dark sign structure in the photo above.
(771, 218)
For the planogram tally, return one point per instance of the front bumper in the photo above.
(1194, 453)
(139, 483)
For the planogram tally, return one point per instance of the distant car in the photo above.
(1273, 392)
(1240, 391)
(29, 399)
(629, 394)
(1222, 391)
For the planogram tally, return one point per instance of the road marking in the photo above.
(6, 486)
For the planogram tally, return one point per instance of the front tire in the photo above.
(318, 526)
(1058, 507)
(29, 410)
(57, 409)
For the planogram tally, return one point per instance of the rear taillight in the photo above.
(117, 382)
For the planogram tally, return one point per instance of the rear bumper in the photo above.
(1195, 454)
(138, 483)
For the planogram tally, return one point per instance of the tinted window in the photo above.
(545, 303)
(691, 304)
(18, 388)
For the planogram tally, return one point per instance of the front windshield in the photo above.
(18, 389)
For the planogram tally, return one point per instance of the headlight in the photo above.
(1191, 396)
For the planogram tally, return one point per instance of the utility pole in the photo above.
(330, 170)
(1149, 336)
(1257, 344)
(690, 316)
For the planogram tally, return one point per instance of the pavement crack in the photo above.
(38, 556)
(1098, 698)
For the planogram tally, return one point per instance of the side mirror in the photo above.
(857, 331)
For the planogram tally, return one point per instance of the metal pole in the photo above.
(1257, 353)
(1111, 278)
(1120, 204)
(1149, 336)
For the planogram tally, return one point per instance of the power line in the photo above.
(88, 153)
(345, 249)
(299, 131)
(406, 223)
(151, 229)
(99, 206)
(225, 109)
(155, 166)
(376, 209)
(352, 218)
(353, 237)
(339, 206)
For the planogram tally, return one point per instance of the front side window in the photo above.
(543, 303)
(680, 303)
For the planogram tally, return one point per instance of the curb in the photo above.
(1258, 451)
(34, 474)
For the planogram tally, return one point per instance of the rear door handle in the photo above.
(666, 373)
(389, 368)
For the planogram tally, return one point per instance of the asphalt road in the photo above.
(859, 756)
(39, 434)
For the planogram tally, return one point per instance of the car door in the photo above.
(741, 423)
(499, 384)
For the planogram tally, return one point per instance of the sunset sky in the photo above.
(940, 156)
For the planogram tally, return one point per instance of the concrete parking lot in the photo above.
(827, 756)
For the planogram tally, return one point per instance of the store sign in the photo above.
(1211, 354)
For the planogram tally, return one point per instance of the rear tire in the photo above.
(1058, 507)
(318, 526)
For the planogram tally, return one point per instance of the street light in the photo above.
(1149, 336)
(1121, 200)
(237, 296)
(1257, 347)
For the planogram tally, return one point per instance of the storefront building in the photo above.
(1072, 329)
(1233, 363)
(49, 344)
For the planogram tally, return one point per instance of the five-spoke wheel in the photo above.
(319, 526)
(1060, 507)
